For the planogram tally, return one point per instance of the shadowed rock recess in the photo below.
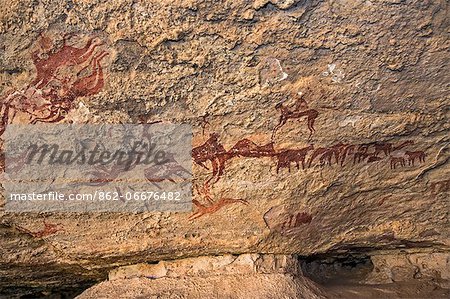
(320, 146)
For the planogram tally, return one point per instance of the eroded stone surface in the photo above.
(244, 276)
(365, 83)
(278, 276)
(406, 267)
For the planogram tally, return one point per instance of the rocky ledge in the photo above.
(320, 128)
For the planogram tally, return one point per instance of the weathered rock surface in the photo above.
(272, 276)
(245, 276)
(360, 86)
(405, 267)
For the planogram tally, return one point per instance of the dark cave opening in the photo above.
(336, 269)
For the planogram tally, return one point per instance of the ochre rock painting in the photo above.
(299, 111)
(286, 157)
(48, 230)
(211, 205)
(63, 74)
(213, 152)
(279, 220)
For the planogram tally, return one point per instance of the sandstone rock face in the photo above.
(331, 118)
(245, 276)
(405, 267)
(268, 276)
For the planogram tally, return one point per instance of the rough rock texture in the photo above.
(356, 90)
(385, 274)
(405, 267)
(244, 276)
(267, 276)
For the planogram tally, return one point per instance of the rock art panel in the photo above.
(63, 74)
